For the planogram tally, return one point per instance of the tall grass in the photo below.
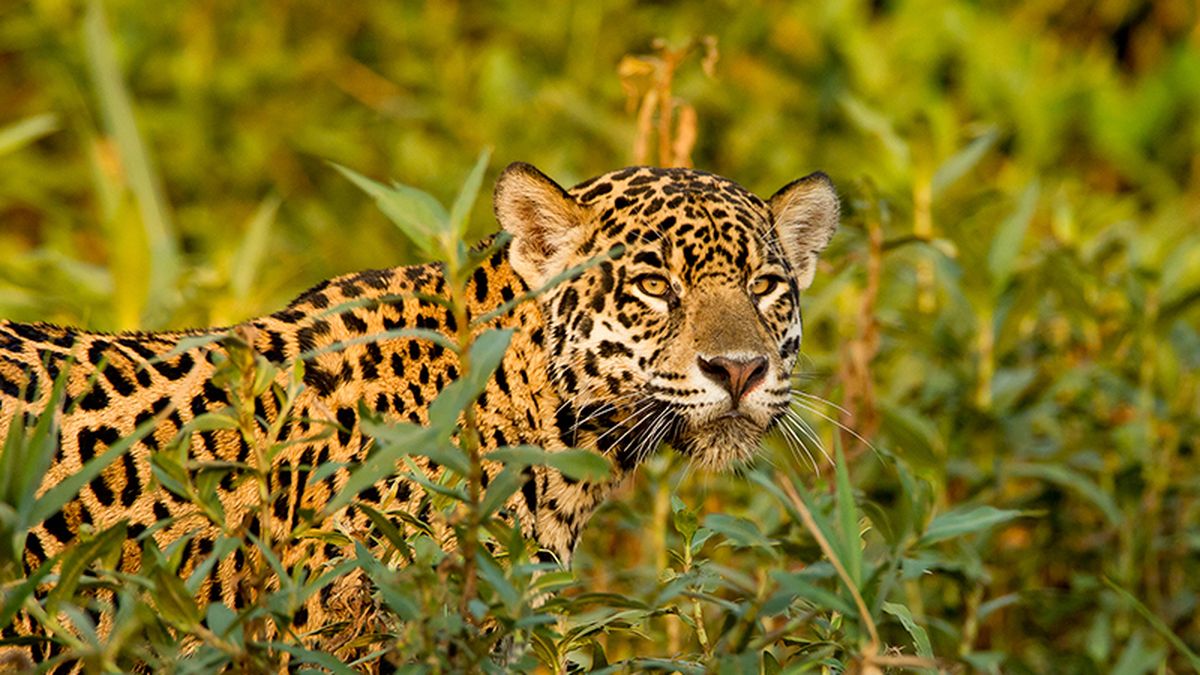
(1008, 316)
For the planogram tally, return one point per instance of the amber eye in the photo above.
(763, 286)
(653, 285)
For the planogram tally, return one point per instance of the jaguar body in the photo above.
(684, 333)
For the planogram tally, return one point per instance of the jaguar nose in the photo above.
(737, 376)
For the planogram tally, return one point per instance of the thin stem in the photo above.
(468, 439)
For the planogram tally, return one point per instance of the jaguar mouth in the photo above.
(714, 441)
(728, 439)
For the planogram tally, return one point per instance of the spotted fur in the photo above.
(686, 334)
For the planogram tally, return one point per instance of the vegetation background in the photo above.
(1010, 314)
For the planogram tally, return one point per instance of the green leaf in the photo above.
(1006, 245)
(770, 664)
(221, 620)
(223, 547)
(322, 659)
(962, 162)
(401, 440)
(580, 464)
(553, 580)
(1138, 659)
(213, 421)
(740, 532)
(966, 520)
(388, 529)
(447, 454)
(15, 596)
(575, 463)
(847, 514)
(173, 600)
(490, 572)
(504, 485)
(170, 473)
(25, 460)
(799, 586)
(1069, 478)
(405, 607)
(418, 215)
(467, 194)
(77, 559)
(915, 436)
(485, 355)
(915, 630)
(684, 520)
(819, 517)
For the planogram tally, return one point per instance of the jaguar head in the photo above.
(679, 321)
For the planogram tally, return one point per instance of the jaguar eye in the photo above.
(653, 285)
(763, 286)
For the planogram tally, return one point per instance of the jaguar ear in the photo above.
(542, 218)
(806, 214)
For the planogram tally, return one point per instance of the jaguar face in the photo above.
(684, 325)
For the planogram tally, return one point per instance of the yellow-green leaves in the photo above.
(966, 520)
(421, 217)
(418, 214)
(1006, 245)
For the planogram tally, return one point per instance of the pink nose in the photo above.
(736, 375)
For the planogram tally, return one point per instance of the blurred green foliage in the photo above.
(1022, 180)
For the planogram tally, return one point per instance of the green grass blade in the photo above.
(19, 134)
(251, 253)
(1006, 245)
(847, 516)
(467, 194)
(1157, 624)
(915, 630)
(144, 180)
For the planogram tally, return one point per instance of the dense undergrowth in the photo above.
(479, 601)
(1009, 313)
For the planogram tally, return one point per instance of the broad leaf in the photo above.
(418, 215)
(966, 520)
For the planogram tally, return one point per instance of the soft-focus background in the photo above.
(1012, 306)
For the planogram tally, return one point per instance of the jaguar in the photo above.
(684, 333)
